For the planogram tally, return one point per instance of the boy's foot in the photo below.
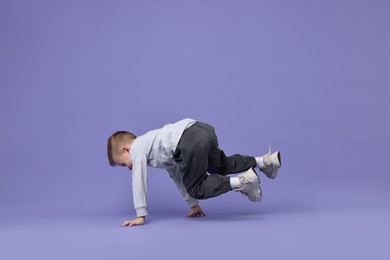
(271, 164)
(251, 185)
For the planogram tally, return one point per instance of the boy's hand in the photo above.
(196, 211)
(133, 222)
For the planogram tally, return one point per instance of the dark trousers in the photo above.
(203, 165)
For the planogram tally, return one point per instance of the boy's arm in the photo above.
(195, 211)
(139, 183)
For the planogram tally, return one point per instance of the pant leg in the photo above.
(192, 157)
(219, 163)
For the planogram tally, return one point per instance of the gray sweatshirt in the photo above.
(156, 149)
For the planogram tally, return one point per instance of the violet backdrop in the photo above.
(310, 78)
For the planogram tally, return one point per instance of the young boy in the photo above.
(189, 151)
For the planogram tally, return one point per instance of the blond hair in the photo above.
(115, 143)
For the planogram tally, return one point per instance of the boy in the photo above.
(189, 151)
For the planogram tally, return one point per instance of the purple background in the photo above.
(311, 78)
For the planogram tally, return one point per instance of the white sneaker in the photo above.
(272, 163)
(251, 187)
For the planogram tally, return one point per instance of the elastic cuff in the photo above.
(226, 181)
(192, 202)
(141, 212)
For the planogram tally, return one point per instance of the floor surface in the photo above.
(270, 230)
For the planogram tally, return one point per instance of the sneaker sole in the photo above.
(256, 188)
(257, 191)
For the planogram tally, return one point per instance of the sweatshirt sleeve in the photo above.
(139, 183)
(180, 186)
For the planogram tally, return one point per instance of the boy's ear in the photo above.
(125, 149)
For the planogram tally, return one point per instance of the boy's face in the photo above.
(124, 159)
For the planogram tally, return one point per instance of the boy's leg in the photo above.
(219, 163)
(192, 157)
